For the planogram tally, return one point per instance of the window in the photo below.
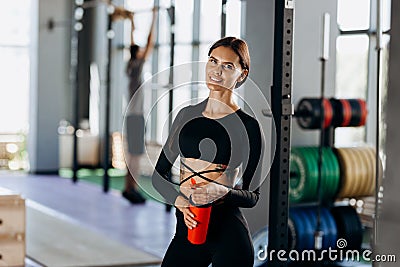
(347, 20)
(356, 62)
(14, 65)
(351, 80)
(15, 24)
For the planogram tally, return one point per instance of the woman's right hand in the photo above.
(183, 205)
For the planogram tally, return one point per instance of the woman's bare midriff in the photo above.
(220, 174)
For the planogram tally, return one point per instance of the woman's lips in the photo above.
(214, 79)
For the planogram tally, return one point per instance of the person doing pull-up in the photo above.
(135, 118)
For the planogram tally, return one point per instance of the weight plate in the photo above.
(298, 227)
(357, 174)
(346, 171)
(330, 175)
(311, 156)
(368, 153)
(309, 113)
(348, 226)
(364, 112)
(331, 179)
(327, 172)
(311, 214)
(332, 227)
(299, 175)
(291, 235)
(371, 153)
(346, 111)
(328, 113)
(356, 112)
(324, 172)
(260, 244)
(336, 173)
(308, 229)
(312, 178)
(365, 170)
(301, 228)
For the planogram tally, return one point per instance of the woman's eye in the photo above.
(227, 66)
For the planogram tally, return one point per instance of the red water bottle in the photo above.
(198, 234)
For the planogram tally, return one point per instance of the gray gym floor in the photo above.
(147, 227)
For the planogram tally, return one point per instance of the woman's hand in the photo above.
(206, 193)
(183, 205)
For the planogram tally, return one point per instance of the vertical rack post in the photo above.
(171, 13)
(106, 163)
(379, 47)
(223, 18)
(74, 76)
(318, 233)
(282, 110)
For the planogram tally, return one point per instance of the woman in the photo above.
(135, 119)
(213, 138)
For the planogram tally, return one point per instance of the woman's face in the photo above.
(223, 69)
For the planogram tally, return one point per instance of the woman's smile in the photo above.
(215, 79)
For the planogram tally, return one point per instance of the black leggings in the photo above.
(228, 244)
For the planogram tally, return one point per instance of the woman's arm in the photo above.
(162, 177)
(150, 39)
(252, 173)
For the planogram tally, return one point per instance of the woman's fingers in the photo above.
(189, 218)
(199, 185)
(200, 197)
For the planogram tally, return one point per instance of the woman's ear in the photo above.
(242, 76)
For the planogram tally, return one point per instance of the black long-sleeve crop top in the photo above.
(233, 140)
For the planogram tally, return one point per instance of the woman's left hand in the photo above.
(206, 193)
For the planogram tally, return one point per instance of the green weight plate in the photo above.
(297, 177)
(341, 172)
(336, 172)
(313, 181)
(313, 151)
(326, 171)
(312, 178)
(302, 167)
(330, 174)
(330, 186)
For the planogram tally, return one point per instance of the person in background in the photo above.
(135, 118)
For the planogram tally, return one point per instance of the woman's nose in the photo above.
(218, 69)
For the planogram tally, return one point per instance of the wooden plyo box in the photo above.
(12, 229)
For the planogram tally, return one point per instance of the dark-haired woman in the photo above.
(134, 118)
(213, 139)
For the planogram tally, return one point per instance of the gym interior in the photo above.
(321, 86)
